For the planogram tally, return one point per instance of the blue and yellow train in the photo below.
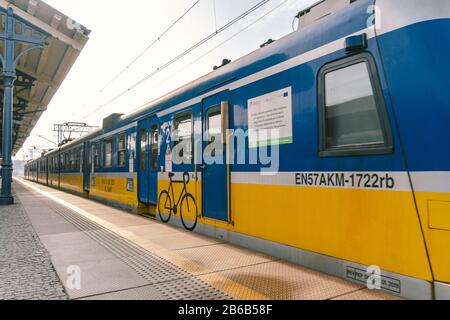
(360, 100)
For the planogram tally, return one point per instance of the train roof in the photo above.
(345, 21)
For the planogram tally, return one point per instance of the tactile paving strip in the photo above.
(212, 272)
(280, 281)
(171, 281)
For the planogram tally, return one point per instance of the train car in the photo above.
(70, 168)
(53, 169)
(112, 166)
(43, 170)
(32, 167)
(356, 179)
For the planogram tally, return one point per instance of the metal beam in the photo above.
(43, 26)
(9, 61)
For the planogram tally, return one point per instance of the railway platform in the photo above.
(102, 253)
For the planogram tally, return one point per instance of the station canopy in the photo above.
(41, 72)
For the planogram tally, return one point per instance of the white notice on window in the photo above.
(168, 160)
(270, 119)
(131, 164)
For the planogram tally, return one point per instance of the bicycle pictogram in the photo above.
(185, 204)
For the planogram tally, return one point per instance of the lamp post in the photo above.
(35, 38)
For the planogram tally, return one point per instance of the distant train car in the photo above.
(362, 182)
(53, 169)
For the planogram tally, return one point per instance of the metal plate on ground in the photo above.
(219, 258)
(367, 294)
(279, 281)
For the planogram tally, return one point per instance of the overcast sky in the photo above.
(122, 29)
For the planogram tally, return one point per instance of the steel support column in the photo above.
(9, 61)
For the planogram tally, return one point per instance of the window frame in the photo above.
(154, 157)
(211, 112)
(143, 152)
(178, 116)
(96, 150)
(124, 150)
(355, 150)
(106, 140)
(66, 161)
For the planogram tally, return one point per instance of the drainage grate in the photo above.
(173, 282)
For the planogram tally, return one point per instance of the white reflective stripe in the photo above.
(395, 14)
(120, 130)
(178, 176)
(431, 181)
(395, 181)
(70, 174)
(422, 181)
(114, 175)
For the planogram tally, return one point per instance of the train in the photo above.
(351, 111)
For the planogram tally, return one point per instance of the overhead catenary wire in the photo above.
(228, 39)
(146, 49)
(184, 53)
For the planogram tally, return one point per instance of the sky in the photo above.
(122, 30)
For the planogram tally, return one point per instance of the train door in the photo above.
(148, 160)
(86, 167)
(215, 175)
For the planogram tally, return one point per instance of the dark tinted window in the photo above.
(353, 114)
(184, 129)
(154, 148)
(121, 150)
(143, 152)
(96, 151)
(350, 107)
(108, 153)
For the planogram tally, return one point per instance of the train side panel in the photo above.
(417, 69)
(115, 184)
(70, 170)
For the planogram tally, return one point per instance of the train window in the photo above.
(184, 132)
(66, 161)
(96, 148)
(77, 159)
(154, 148)
(353, 114)
(73, 163)
(214, 127)
(90, 160)
(108, 156)
(121, 150)
(144, 141)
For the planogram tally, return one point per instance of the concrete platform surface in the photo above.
(104, 253)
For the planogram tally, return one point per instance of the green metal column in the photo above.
(9, 61)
